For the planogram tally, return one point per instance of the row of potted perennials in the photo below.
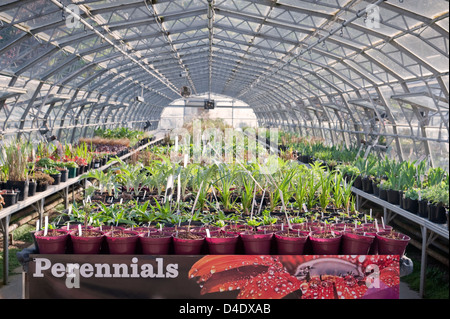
(413, 185)
(410, 185)
(298, 239)
(26, 170)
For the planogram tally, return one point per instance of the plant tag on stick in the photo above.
(169, 189)
(208, 234)
(185, 160)
(45, 225)
(79, 229)
(179, 189)
(284, 208)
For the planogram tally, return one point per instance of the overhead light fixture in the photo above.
(185, 91)
(210, 104)
(44, 129)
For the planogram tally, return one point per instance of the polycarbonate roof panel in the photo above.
(264, 52)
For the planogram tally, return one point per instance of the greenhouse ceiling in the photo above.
(349, 67)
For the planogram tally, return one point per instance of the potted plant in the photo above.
(392, 243)
(438, 196)
(52, 241)
(9, 197)
(55, 174)
(355, 241)
(256, 243)
(325, 242)
(42, 181)
(121, 242)
(84, 239)
(16, 161)
(72, 168)
(222, 243)
(61, 167)
(412, 200)
(291, 242)
(187, 242)
(155, 242)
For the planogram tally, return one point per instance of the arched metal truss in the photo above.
(345, 70)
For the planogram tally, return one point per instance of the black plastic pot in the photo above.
(97, 164)
(383, 194)
(358, 182)
(403, 202)
(32, 188)
(412, 205)
(57, 178)
(376, 189)
(367, 185)
(9, 198)
(22, 186)
(41, 187)
(436, 213)
(64, 176)
(393, 197)
(423, 208)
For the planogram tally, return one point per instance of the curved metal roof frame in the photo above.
(298, 64)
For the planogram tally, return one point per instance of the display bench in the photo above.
(429, 230)
(211, 276)
(37, 202)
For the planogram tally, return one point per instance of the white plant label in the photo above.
(169, 187)
(304, 208)
(79, 229)
(185, 160)
(208, 234)
(179, 189)
(45, 225)
(37, 225)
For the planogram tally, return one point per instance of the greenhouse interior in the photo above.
(224, 149)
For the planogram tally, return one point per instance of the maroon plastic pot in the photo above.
(392, 246)
(87, 245)
(288, 245)
(371, 230)
(325, 246)
(155, 243)
(356, 243)
(119, 245)
(222, 243)
(256, 243)
(183, 246)
(52, 244)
